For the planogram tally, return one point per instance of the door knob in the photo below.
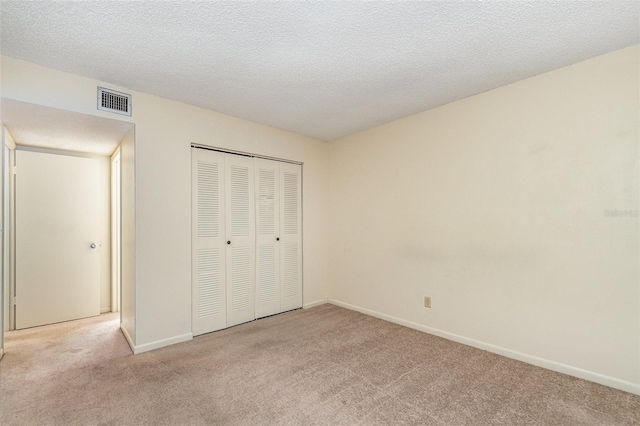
(277, 238)
(228, 242)
(93, 245)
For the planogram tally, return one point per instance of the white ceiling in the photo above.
(323, 69)
(45, 127)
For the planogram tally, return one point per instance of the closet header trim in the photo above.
(245, 154)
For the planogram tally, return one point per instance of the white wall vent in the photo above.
(112, 101)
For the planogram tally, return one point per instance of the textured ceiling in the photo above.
(324, 69)
(45, 127)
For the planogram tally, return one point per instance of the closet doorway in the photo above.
(246, 238)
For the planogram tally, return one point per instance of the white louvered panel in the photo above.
(209, 286)
(291, 238)
(240, 201)
(290, 203)
(266, 291)
(208, 200)
(240, 278)
(266, 201)
(241, 238)
(267, 178)
(291, 284)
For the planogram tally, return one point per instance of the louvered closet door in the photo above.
(208, 292)
(267, 175)
(239, 188)
(290, 236)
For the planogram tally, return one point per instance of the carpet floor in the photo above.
(324, 365)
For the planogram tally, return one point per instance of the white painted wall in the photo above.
(128, 237)
(164, 131)
(495, 207)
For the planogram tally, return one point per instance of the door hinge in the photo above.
(15, 170)
(14, 300)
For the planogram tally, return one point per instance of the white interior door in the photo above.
(57, 221)
(209, 311)
(240, 256)
(291, 236)
(267, 174)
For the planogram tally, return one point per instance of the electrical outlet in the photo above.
(427, 302)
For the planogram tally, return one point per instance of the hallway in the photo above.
(47, 367)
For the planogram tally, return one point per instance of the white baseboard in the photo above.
(315, 303)
(162, 343)
(529, 359)
(105, 310)
(128, 338)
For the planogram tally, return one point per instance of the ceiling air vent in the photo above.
(112, 101)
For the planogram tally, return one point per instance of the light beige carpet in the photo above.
(325, 365)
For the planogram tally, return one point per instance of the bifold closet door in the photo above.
(246, 239)
(290, 236)
(208, 308)
(240, 264)
(267, 175)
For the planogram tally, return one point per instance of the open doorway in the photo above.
(64, 204)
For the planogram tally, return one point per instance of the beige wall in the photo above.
(495, 207)
(163, 134)
(128, 237)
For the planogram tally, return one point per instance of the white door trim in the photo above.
(116, 233)
(242, 153)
